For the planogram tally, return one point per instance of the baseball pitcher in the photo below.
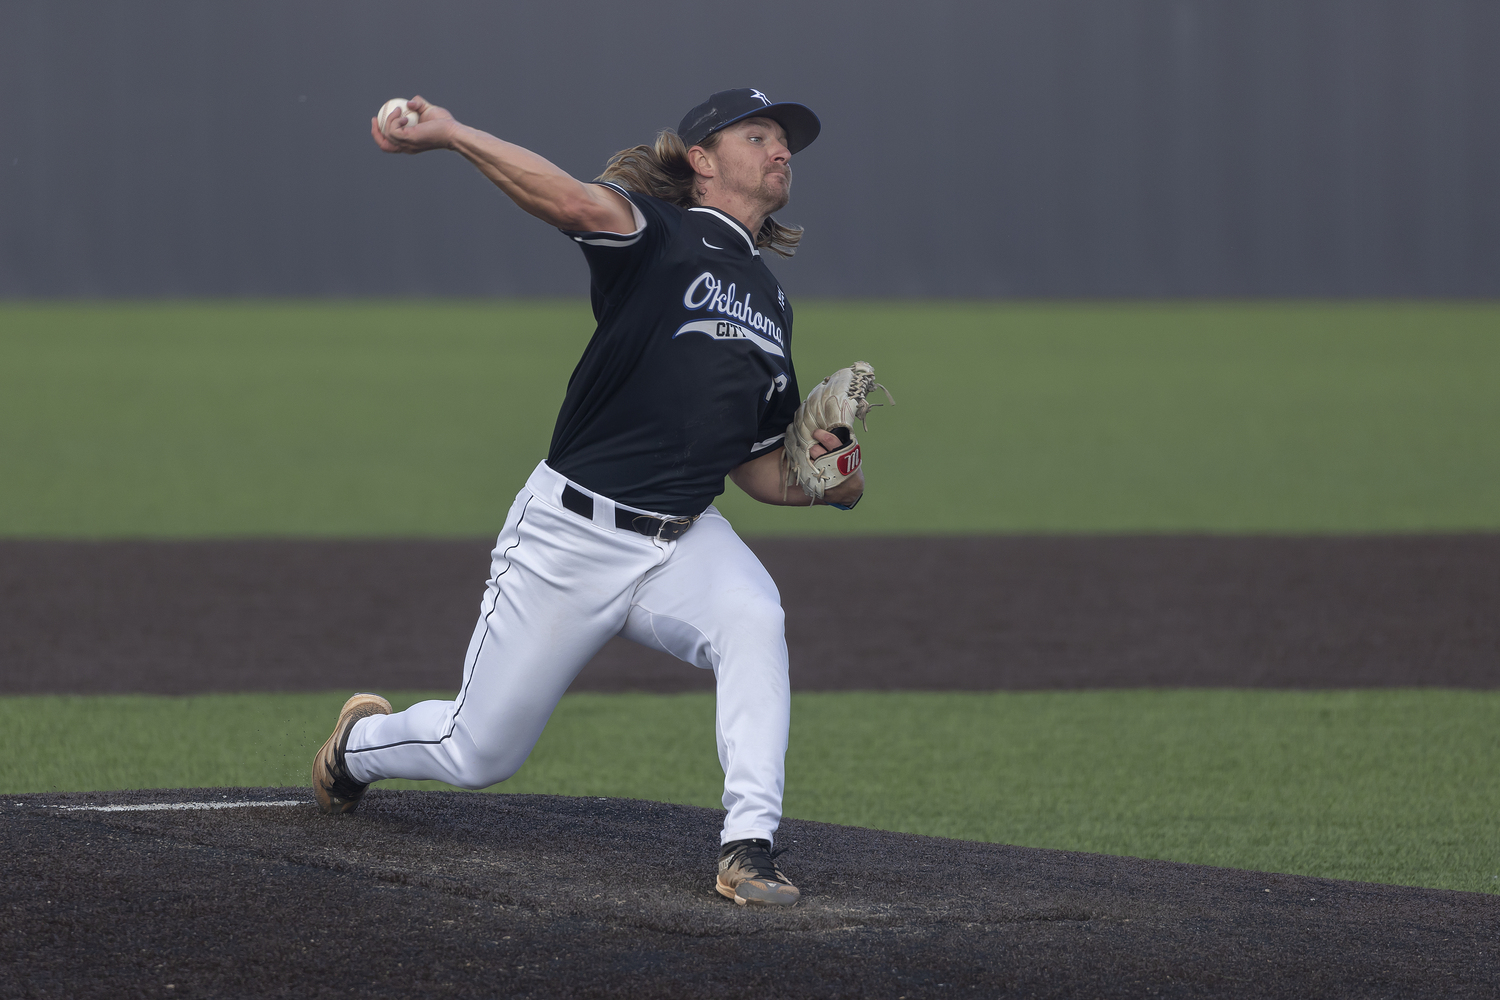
(688, 379)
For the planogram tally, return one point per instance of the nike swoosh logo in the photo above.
(710, 245)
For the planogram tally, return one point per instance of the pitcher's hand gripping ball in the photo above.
(396, 104)
(833, 405)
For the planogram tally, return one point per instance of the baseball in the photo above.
(395, 104)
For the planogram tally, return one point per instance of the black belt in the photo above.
(668, 528)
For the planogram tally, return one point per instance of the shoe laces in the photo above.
(343, 786)
(758, 858)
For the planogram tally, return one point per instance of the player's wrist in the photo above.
(846, 494)
(461, 138)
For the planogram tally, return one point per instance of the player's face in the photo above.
(753, 160)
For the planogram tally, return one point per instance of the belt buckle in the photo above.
(667, 528)
(673, 528)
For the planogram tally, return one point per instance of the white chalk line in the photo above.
(174, 806)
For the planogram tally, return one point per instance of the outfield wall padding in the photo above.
(970, 149)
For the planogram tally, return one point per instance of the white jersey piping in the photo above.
(733, 222)
(618, 239)
(757, 446)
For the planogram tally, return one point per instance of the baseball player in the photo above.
(688, 378)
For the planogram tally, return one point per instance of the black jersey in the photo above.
(689, 372)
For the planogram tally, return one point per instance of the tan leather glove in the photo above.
(833, 405)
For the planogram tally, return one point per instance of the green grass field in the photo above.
(1389, 786)
(423, 419)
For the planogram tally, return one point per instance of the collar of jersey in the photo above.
(732, 224)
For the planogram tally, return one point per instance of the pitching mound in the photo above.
(251, 892)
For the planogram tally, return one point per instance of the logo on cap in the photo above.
(730, 106)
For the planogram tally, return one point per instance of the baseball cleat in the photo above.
(748, 874)
(335, 790)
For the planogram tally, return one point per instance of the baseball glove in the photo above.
(833, 405)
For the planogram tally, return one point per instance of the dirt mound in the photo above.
(467, 895)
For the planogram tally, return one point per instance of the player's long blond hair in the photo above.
(662, 171)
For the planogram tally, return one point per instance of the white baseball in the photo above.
(395, 104)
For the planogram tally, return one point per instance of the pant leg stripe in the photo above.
(470, 668)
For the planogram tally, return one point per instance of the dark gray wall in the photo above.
(1036, 148)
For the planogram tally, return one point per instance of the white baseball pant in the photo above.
(560, 586)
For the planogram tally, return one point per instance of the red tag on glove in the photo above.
(850, 462)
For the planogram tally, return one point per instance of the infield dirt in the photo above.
(451, 894)
(980, 613)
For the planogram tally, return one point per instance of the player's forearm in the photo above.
(536, 184)
(765, 479)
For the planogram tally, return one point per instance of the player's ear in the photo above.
(699, 160)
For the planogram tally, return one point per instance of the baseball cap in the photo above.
(729, 106)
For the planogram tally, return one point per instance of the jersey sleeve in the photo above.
(772, 432)
(616, 258)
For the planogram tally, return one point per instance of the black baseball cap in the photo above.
(729, 106)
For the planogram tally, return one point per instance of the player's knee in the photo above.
(761, 619)
(477, 779)
(482, 771)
